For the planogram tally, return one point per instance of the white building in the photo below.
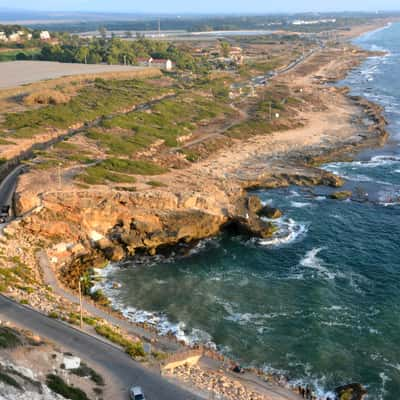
(162, 63)
(14, 37)
(45, 35)
(3, 37)
(313, 21)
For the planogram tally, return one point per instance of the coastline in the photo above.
(298, 169)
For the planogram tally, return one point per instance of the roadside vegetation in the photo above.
(15, 274)
(85, 371)
(103, 97)
(59, 386)
(9, 338)
(134, 349)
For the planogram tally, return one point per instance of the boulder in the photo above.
(103, 244)
(254, 204)
(252, 226)
(342, 195)
(114, 253)
(352, 391)
(270, 212)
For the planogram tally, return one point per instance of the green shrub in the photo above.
(53, 315)
(135, 350)
(98, 175)
(86, 371)
(103, 98)
(131, 348)
(116, 170)
(57, 385)
(9, 338)
(135, 167)
(99, 297)
(156, 184)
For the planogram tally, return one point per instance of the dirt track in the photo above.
(17, 73)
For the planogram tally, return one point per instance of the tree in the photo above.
(225, 48)
(82, 55)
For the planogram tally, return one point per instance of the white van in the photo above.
(136, 393)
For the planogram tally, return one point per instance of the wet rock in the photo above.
(342, 195)
(251, 226)
(103, 244)
(115, 253)
(270, 212)
(254, 204)
(353, 391)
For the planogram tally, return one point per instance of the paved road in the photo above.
(119, 365)
(50, 279)
(7, 186)
(93, 350)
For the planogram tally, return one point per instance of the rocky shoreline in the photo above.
(85, 229)
(189, 226)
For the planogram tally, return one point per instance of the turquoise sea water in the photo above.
(321, 301)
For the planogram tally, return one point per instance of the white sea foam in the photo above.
(376, 161)
(245, 318)
(315, 263)
(165, 327)
(389, 198)
(298, 204)
(288, 232)
(382, 392)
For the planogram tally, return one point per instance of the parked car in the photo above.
(4, 214)
(136, 393)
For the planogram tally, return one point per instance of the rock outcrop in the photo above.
(352, 391)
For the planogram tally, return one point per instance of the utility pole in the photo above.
(124, 59)
(85, 59)
(159, 27)
(80, 302)
(59, 176)
(270, 111)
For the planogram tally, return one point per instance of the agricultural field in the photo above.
(16, 73)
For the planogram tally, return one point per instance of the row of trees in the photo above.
(117, 51)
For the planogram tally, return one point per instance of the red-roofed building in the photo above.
(152, 62)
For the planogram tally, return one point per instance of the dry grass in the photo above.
(12, 100)
(46, 97)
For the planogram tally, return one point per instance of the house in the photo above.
(236, 55)
(45, 35)
(144, 61)
(14, 37)
(3, 37)
(29, 36)
(162, 63)
(159, 63)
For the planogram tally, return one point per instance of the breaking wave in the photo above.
(288, 232)
(315, 263)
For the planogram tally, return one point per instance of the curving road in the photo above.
(120, 365)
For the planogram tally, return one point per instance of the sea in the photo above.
(320, 301)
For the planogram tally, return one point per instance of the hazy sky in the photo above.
(227, 6)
